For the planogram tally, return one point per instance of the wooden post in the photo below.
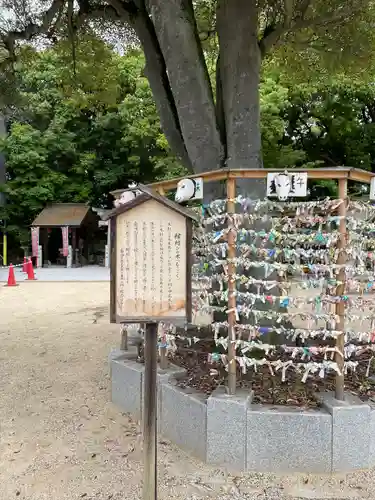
(163, 350)
(150, 412)
(5, 248)
(340, 290)
(107, 255)
(74, 246)
(231, 194)
(124, 338)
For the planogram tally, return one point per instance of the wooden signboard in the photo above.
(151, 261)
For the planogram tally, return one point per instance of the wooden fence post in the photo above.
(340, 291)
(232, 368)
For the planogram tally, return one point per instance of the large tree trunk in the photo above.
(176, 31)
(239, 70)
(240, 62)
(225, 133)
(156, 74)
(204, 134)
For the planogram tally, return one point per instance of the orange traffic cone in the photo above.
(30, 271)
(11, 277)
(24, 265)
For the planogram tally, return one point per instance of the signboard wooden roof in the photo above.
(147, 194)
(151, 260)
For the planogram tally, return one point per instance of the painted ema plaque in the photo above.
(151, 260)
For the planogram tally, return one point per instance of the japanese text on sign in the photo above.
(151, 263)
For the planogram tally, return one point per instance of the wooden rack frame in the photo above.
(341, 174)
(353, 174)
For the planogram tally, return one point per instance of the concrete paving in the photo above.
(88, 273)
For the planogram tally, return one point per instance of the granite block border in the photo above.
(227, 429)
(183, 419)
(285, 440)
(351, 439)
(127, 382)
(232, 432)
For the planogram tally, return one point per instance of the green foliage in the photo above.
(274, 100)
(81, 130)
(333, 121)
(329, 121)
(77, 135)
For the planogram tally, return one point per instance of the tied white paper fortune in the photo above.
(308, 243)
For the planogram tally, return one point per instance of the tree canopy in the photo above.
(77, 136)
(84, 118)
(209, 124)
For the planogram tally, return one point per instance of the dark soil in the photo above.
(268, 389)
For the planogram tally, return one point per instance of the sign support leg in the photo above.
(150, 413)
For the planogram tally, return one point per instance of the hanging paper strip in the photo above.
(65, 239)
(34, 241)
(298, 267)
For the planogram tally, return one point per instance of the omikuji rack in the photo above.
(340, 174)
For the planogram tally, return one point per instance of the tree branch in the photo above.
(71, 33)
(220, 105)
(156, 73)
(100, 12)
(273, 34)
(116, 10)
(327, 21)
(125, 10)
(298, 22)
(178, 39)
(288, 12)
(127, 13)
(33, 29)
(303, 8)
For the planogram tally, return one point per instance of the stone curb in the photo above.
(231, 432)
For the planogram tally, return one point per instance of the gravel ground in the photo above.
(61, 438)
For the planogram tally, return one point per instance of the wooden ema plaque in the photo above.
(151, 261)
